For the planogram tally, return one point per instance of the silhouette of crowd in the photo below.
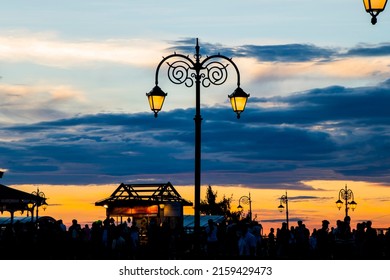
(226, 240)
(341, 242)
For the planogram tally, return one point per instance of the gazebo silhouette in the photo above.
(143, 199)
(12, 200)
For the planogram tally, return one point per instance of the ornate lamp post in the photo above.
(374, 7)
(284, 200)
(346, 194)
(246, 200)
(209, 71)
(41, 201)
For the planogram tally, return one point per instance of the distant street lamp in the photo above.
(346, 194)
(374, 7)
(41, 201)
(210, 71)
(246, 200)
(284, 200)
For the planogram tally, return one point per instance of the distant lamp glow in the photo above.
(238, 100)
(339, 204)
(281, 208)
(156, 99)
(374, 7)
(44, 205)
(353, 205)
(30, 205)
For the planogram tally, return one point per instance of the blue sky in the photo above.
(74, 76)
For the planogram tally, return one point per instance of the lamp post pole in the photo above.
(346, 194)
(246, 200)
(284, 200)
(183, 70)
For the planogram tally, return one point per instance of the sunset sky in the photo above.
(75, 122)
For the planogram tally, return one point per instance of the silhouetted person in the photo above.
(247, 243)
(313, 244)
(282, 240)
(359, 237)
(134, 239)
(154, 238)
(292, 243)
(61, 225)
(166, 238)
(97, 239)
(118, 244)
(231, 239)
(107, 236)
(271, 243)
(257, 230)
(302, 235)
(324, 241)
(74, 236)
(344, 244)
(212, 239)
(370, 242)
(75, 230)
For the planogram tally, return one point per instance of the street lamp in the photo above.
(284, 200)
(374, 7)
(30, 207)
(246, 200)
(41, 201)
(210, 71)
(346, 194)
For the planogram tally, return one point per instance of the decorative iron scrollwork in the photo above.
(178, 73)
(216, 74)
(182, 72)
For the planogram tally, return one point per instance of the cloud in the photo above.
(331, 132)
(50, 50)
(281, 69)
(320, 134)
(282, 52)
(370, 50)
(31, 103)
(268, 53)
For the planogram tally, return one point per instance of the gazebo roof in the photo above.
(130, 195)
(15, 200)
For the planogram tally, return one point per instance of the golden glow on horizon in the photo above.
(312, 206)
(69, 202)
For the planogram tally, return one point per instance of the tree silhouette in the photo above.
(210, 206)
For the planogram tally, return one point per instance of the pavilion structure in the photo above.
(13, 200)
(145, 201)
